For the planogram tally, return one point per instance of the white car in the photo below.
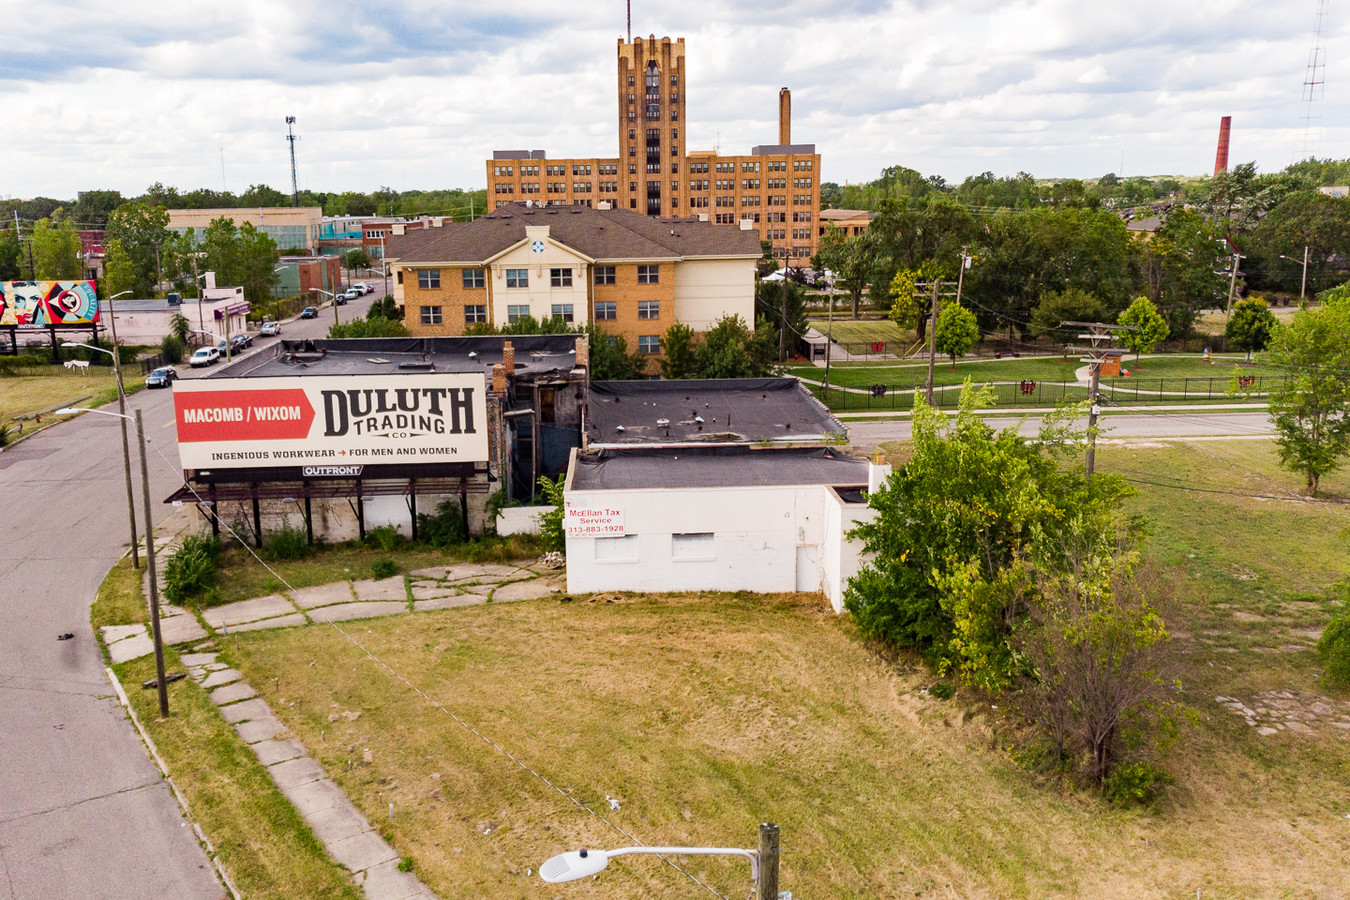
(206, 356)
(353, 294)
(269, 329)
(363, 288)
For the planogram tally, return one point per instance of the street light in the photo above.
(149, 549)
(121, 408)
(335, 303)
(576, 864)
(1303, 287)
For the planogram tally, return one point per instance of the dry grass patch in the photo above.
(707, 714)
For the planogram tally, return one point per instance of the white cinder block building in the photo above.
(716, 518)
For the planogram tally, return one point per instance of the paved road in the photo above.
(1199, 424)
(83, 810)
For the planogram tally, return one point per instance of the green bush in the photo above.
(287, 542)
(171, 348)
(551, 519)
(445, 528)
(1136, 784)
(191, 569)
(383, 567)
(1334, 647)
(942, 690)
(385, 537)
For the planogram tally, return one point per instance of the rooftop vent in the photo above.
(417, 366)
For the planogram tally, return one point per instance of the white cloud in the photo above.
(417, 95)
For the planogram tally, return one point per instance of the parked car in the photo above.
(309, 312)
(162, 377)
(205, 356)
(353, 294)
(238, 343)
(363, 288)
(269, 329)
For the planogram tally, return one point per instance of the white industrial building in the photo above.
(716, 518)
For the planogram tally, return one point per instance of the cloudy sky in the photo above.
(121, 93)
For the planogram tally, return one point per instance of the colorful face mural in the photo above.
(37, 304)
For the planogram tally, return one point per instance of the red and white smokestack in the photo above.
(785, 116)
(1221, 157)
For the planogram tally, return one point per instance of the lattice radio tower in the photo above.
(1314, 85)
(291, 137)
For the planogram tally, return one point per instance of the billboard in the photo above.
(331, 421)
(38, 304)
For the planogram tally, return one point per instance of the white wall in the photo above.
(708, 289)
(540, 295)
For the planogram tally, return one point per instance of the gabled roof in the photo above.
(602, 235)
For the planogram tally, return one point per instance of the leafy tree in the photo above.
(1182, 269)
(1070, 305)
(93, 207)
(1250, 326)
(957, 332)
(139, 229)
(56, 249)
(9, 255)
(180, 327)
(531, 325)
(1305, 219)
(678, 344)
(910, 307)
(1338, 294)
(730, 350)
(172, 348)
(264, 196)
(119, 272)
(355, 259)
(610, 359)
(1152, 327)
(551, 519)
(774, 303)
(1334, 645)
(850, 258)
(1311, 407)
(949, 526)
(387, 308)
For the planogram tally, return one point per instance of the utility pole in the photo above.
(1232, 281)
(767, 889)
(932, 326)
(18, 236)
(782, 327)
(154, 584)
(1100, 337)
(961, 272)
(126, 450)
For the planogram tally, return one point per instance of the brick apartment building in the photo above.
(631, 274)
(776, 187)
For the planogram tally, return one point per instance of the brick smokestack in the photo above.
(499, 379)
(785, 116)
(508, 357)
(1221, 157)
(583, 352)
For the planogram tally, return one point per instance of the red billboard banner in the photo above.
(264, 415)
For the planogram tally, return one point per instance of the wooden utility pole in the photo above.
(1099, 337)
(782, 327)
(767, 889)
(932, 325)
(1232, 281)
(829, 339)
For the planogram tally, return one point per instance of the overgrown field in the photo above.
(48, 387)
(707, 714)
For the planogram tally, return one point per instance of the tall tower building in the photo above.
(775, 188)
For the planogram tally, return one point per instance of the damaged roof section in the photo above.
(709, 411)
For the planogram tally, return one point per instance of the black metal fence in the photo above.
(1028, 393)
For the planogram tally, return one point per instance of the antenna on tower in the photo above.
(1314, 83)
(630, 21)
(290, 136)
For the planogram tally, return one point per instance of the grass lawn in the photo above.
(53, 386)
(867, 330)
(707, 714)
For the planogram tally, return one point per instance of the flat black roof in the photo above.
(536, 355)
(636, 468)
(727, 410)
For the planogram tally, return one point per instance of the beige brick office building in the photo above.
(775, 187)
(628, 273)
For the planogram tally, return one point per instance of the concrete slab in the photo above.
(323, 595)
(449, 602)
(237, 690)
(248, 611)
(224, 676)
(434, 573)
(197, 659)
(357, 611)
(476, 571)
(250, 710)
(316, 796)
(279, 622)
(384, 589)
(270, 753)
(181, 629)
(522, 590)
(332, 823)
(386, 882)
(259, 730)
(295, 772)
(432, 591)
(114, 633)
(361, 851)
(131, 648)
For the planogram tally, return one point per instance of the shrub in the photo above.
(1334, 647)
(385, 537)
(171, 348)
(383, 567)
(445, 528)
(942, 690)
(551, 519)
(287, 542)
(1136, 784)
(191, 569)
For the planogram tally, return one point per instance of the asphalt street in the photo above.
(83, 810)
(1190, 424)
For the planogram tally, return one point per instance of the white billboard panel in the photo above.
(331, 420)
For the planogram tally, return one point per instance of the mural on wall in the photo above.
(38, 304)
